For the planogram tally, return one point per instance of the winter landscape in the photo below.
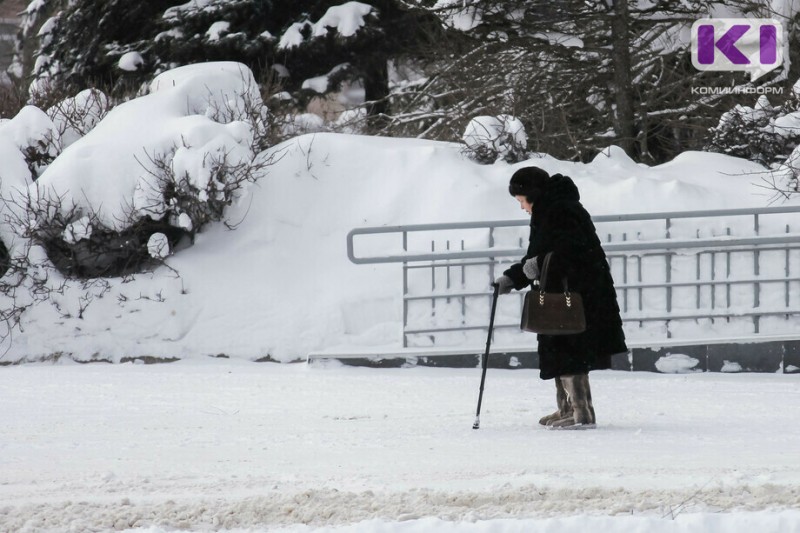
(176, 280)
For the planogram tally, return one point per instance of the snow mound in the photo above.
(130, 61)
(731, 366)
(193, 113)
(677, 363)
(158, 246)
(499, 511)
(489, 138)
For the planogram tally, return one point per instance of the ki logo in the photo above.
(738, 44)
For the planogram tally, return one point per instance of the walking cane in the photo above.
(477, 423)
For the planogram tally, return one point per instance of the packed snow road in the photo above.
(229, 444)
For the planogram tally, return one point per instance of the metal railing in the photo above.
(723, 257)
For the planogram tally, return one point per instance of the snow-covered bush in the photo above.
(35, 136)
(168, 162)
(745, 132)
(74, 117)
(191, 187)
(488, 139)
(26, 141)
(351, 121)
(792, 165)
(75, 243)
(765, 134)
(785, 178)
(302, 123)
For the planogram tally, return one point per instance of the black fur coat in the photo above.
(560, 224)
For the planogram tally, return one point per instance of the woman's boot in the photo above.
(585, 380)
(563, 410)
(579, 396)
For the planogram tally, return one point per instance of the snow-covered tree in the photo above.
(82, 43)
(580, 75)
(752, 133)
(767, 134)
(130, 42)
(335, 46)
(314, 48)
(214, 30)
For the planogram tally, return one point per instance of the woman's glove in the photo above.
(504, 284)
(531, 269)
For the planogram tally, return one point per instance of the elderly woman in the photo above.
(560, 224)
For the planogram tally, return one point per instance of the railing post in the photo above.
(405, 291)
(756, 274)
(728, 274)
(668, 260)
(668, 268)
(641, 291)
(625, 276)
(713, 278)
(787, 270)
(697, 259)
(492, 259)
(447, 272)
(433, 289)
(463, 286)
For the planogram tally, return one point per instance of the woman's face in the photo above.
(524, 204)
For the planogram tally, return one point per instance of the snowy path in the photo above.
(232, 444)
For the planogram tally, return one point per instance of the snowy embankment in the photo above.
(231, 444)
(280, 285)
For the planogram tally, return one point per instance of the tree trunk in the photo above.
(376, 91)
(623, 86)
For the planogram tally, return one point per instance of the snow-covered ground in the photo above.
(230, 444)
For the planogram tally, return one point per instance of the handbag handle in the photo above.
(545, 267)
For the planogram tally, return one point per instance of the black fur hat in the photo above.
(529, 182)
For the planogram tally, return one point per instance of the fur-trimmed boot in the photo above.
(563, 411)
(579, 395)
(585, 379)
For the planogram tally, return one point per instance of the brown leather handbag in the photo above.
(552, 313)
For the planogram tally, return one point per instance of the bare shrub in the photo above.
(76, 116)
(488, 138)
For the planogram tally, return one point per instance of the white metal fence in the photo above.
(678, 274)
